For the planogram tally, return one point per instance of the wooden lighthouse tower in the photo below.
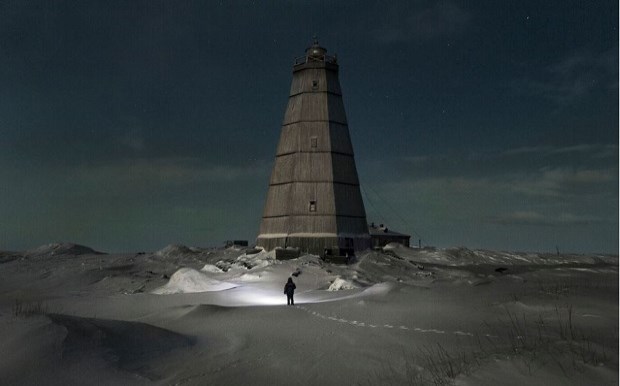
(314, 201)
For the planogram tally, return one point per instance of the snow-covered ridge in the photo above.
(397, 264)
(465, 256)
(61, 249)
(174, 250)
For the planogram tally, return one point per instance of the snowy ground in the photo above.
(70, 315)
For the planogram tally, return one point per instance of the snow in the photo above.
(341, 284)
(211, 268)
(187, 280)
(193, 316)
(464, 256)
(174, 250)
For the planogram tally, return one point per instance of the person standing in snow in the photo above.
(289, 290)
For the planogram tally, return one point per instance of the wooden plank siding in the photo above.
(314, 200)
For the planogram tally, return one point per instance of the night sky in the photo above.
(130, 125)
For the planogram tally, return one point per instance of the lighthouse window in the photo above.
(313, 141)
(315, 84)
(312, 206)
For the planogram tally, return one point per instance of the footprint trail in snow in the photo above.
(387, 326)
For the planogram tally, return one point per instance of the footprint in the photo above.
(463, 333)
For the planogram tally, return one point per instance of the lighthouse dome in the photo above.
(316, 51)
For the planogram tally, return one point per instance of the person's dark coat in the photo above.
(289, 288)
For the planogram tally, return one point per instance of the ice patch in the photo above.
(188, 280)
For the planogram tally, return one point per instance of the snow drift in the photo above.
(188, 280)
(341, 284)
(175, 250)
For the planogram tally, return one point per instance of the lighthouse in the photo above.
(314, 202)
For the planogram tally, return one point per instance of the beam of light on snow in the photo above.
(261, 297)
(252, 296)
